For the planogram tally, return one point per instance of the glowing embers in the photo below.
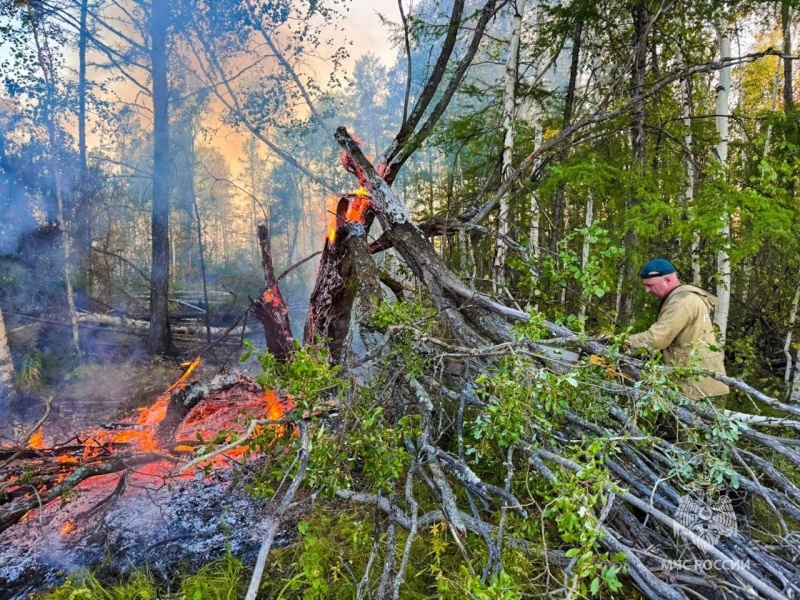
(68, 526)
(350, 208)
(230, 413)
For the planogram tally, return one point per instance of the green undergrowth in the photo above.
(223, 579)
(335, 544)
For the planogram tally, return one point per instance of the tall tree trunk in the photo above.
(82, 42)
(509, 115)
(688, 142)
(84, 193)
(48, 73)
(538, 127)
(793, 135)
(560, 201)
(159, 338)
(641, 17)
(794, 395)
(8, 390)
(202, 253)
(722, 112)
(788, 92)
(787, 346)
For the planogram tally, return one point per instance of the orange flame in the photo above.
(275, 408)
(36, 440)
(68, 526)
(358, 206)
(350, 208)
(332, 218)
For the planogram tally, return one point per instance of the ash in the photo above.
(153, 524)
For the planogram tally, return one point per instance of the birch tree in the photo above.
(48, 68)
(509, 114)
(721, 153)
(686, 104)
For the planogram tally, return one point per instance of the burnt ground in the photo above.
(163, 524)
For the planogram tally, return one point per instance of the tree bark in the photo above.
(270, 309)
(159, 339)
(787, 346)
(589, 218)
(559, 202)
(346, 272)
(640, 16)
(686, 101)
(509, 115)
(723, 258)
(82, 43)
(788, 83)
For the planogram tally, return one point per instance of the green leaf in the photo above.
(595, 586)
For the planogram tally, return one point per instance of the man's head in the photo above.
(659, 278)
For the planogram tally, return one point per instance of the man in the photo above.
(684, 331)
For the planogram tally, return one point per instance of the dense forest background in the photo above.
(142, 143)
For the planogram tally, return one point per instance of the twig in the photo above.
(275, 518)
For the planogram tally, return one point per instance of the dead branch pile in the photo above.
(676, 544)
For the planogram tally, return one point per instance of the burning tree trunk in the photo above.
(346, 272)
(271, 308)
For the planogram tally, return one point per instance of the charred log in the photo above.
(471, 317)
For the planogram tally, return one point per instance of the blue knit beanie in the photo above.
(656, 268)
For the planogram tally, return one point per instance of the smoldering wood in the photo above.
(186, 398)
(346, 272)
(270, 308)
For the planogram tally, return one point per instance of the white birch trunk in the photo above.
(7, 386)
(688, 142)
(537, 120)
(462, 250)
(787, 346)
(48, 74)
(722, 118)
(586, 244)
(509, 114)
(535, 210)
(794, 395)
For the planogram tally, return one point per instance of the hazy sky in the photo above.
(364, 27)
